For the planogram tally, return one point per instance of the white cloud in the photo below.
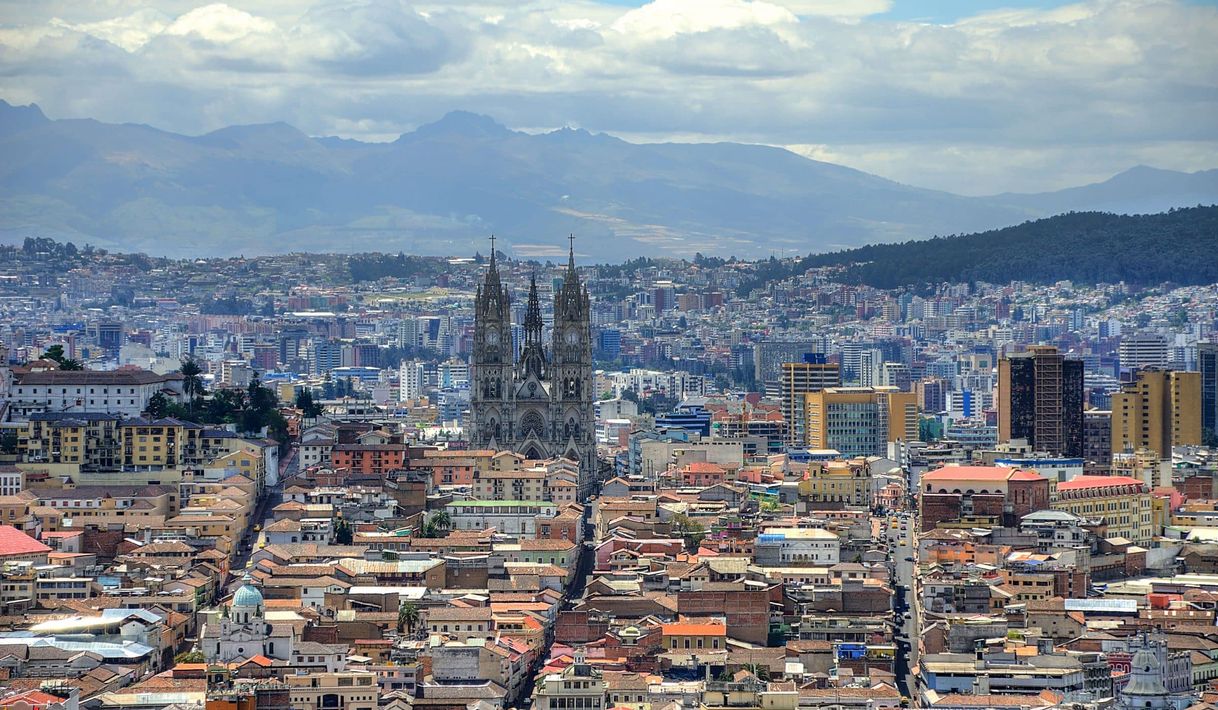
(1003, 99)
(219, 23)
(663, 19)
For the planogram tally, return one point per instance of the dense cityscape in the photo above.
(486, 481)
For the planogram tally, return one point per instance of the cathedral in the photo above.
(539, 405)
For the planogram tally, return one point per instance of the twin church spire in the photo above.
(539, 405)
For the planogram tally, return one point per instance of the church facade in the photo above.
(540, 404)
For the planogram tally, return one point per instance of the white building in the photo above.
(124, 392)
(244, 632)
(1139, 350)
(510, 517)
(410, 381)
(790, 547)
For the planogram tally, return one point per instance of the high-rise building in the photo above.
(859, 421)
(408, 333)
(1207, 362)
(810, 374)
(932, 395)
(541, 404)
(1040, 399)
(1139, 350)
(1097, 440)
(410, 381)
(768, 357)
(1158, 410)
(325, 355)
(896, 374)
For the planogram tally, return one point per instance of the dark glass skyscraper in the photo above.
(1207, 361)
(1040, 398)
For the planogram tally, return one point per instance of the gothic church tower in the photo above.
(541, 405)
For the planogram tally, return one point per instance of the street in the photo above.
(903, 548)
(271, 497)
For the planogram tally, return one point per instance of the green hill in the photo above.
(1180, 246)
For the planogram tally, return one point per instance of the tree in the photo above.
(8, 441)
(690, 530)
(55, 352)
(192, 380)
(408, 617)
(307, 405)
(158, 406)
(193, 656)
(343, 533)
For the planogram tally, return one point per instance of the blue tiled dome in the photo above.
(248, 594)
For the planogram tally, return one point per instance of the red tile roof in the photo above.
(1085, 482)
(14, 542)
(980, 473)
(685, 628)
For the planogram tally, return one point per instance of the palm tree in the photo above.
(192, 381)
(408, 617)
(442, 520)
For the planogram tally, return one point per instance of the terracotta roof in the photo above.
(980, 473)
(687, 628)
(15, 542)
(1085, 482)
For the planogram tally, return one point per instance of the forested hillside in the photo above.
(1180, 246)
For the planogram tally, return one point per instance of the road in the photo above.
(572, 593)
(271, 497)
(903, 543)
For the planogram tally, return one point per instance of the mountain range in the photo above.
(443, 188)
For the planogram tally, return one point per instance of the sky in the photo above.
(975, 97)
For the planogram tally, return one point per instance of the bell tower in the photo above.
(571, 375)
(491, 363)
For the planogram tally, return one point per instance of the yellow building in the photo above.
(797, 379)
(847, 482)
(105, 505)
(81, 439)
(1124, 504)
(1159, 410)
(345, 690)
(859, 421)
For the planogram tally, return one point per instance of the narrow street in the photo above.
(907, 631)
(572, 593)
(271, 497)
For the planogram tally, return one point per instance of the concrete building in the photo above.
(411, 377)
(793, 547)
(1139, 350)
(579, 686)
(1040, 398)
(1207, 363)
(796, 379)
(124, 392)
(859, 421)
(346, 690)
(1158, 410)
(1122, 503)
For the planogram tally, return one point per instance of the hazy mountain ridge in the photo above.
(442, 188)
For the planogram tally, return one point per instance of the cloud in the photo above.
(1022, 96)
